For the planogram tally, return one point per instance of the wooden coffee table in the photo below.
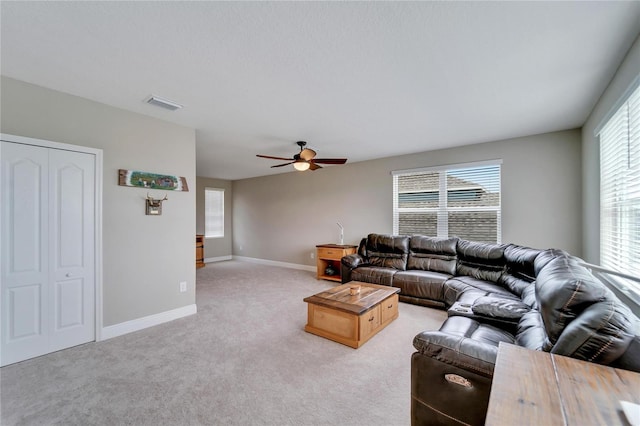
(351, 320)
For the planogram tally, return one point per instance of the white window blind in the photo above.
(213, 213)
(620, 190)
(459, 200)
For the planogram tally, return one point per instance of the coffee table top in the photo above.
(340, 299)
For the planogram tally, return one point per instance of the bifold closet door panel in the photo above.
(25, 245)
(71, 249)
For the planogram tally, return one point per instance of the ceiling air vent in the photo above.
(163, 103)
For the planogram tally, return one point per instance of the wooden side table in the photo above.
(330, 254)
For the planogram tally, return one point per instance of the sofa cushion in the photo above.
(422, 284)
(520, 269)
(465, 343)
(373, 275)
(432, 254)
(528, 296)
(563, 290)
(520, 261)
(480, 260)
(455, 287)
(388, 251)
(547, 256)
(499, 307)
(531, 333)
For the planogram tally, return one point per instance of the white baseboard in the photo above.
(275, 263)
(145, 322)
(217, 259)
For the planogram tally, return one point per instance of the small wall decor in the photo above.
(152, 180)
(154, 205)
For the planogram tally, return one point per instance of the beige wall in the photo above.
(145, 257)
(628, 71)
(282, 217)
(215, 247)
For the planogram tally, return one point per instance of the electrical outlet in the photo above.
(240, 247)
(183, 286)
(312, 255)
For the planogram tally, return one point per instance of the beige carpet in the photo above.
(244, 359)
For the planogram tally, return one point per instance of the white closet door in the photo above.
(25, 241)
(71, 249)
(48, 290)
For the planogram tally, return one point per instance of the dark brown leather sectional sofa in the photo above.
(543, 300)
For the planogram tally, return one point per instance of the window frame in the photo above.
(207, 217)
(613, 274)
(443, 209)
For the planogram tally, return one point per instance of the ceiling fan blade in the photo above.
(307, 154)
(313, 166)
(282, 165)
(273, 158)
(330, 160)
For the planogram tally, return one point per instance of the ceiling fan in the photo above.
(305, 159)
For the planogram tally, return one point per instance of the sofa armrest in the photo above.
(500, 308)
(464, 310)
(352, 261)
(349, 263)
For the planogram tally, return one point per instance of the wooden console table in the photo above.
(539, 388)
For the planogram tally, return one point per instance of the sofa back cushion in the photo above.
(388, 251)
(545, 257)
(563, 290)
(480, 260)
(600, 333)
(520, 270)
(531, 333)
(362, 248)
(432, 254)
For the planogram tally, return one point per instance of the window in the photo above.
(461, 200)
(620, 191)
(213, 213)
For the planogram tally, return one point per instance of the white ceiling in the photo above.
(361, 80)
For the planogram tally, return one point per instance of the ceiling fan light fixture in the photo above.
(301, 165)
